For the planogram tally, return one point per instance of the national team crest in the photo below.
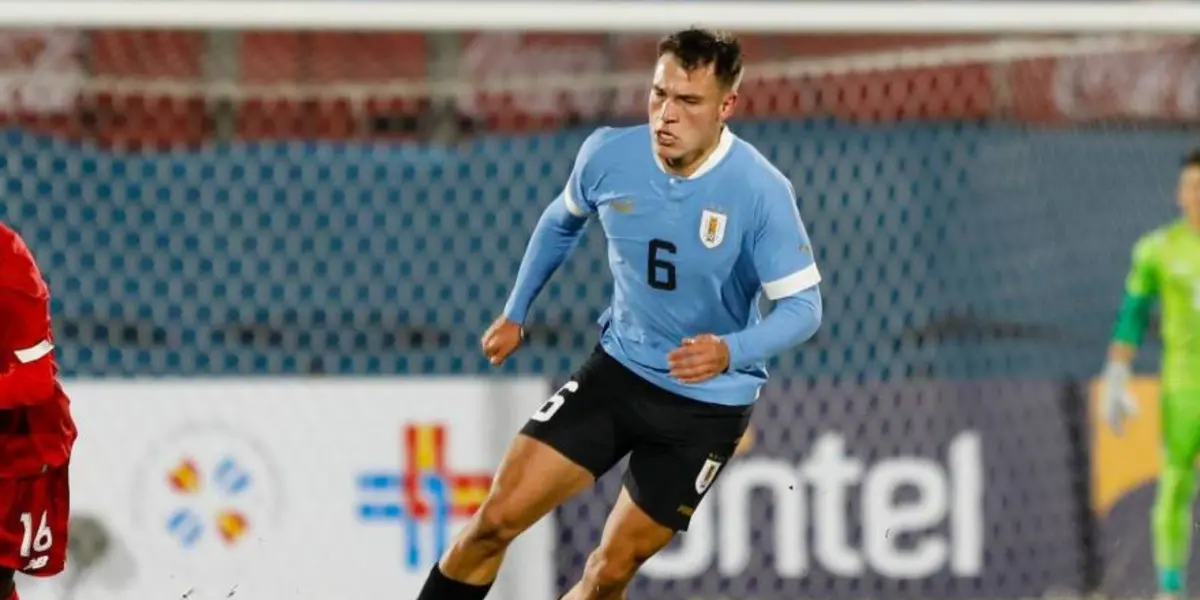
(708, 473)
(712, 228)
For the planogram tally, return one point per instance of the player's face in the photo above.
(687, 111)
(1189, 192)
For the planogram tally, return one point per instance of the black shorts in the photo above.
(676, 446)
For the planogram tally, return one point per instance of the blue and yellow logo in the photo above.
(206, 494)
(228, 480)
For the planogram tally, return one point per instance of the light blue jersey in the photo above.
(688, 256)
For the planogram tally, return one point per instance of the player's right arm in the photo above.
(27, 374)
(1141, 292)
(557, 233)
(1133, 318)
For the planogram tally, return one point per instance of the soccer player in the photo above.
(699, 225)
(37, 431)
(1166, 268)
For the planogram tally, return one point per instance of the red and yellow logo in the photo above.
(232, 525)
(185, 477)
(425, 447)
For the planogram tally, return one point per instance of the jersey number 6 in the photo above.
(658, 266)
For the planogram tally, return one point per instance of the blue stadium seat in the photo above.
(949, 249)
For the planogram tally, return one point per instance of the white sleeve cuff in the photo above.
(29, 355)
(572, 206)
(793, 284)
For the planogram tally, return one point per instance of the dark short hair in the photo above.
(697, 48)
(1191, 160)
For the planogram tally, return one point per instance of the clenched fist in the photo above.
(501, 339)
(699, 359)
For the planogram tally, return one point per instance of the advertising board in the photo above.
(302, 489)
(920, 490)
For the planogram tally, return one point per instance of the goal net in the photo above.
(355, 201)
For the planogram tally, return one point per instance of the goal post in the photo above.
(601, 15)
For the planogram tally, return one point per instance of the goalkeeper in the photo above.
(1166, 268)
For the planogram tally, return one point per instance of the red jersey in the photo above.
(36, 428)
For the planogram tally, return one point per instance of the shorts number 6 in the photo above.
(555, 402)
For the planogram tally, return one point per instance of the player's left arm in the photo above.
(30, 379)
(786, 265)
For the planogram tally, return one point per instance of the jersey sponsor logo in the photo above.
(712, 228)
(708, 473)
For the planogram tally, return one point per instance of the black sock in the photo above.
(440, 587)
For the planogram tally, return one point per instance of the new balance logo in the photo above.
(37, 563)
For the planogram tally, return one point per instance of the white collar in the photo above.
(724, 145)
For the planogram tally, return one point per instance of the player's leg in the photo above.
(532, 480)
(630, 538)
(1172, 513)
(8, 587)
(569, 442)
(681, 451)
(10, 538)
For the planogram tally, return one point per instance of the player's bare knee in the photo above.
(494, 527)
(612, 566)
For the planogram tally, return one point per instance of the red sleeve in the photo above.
(27, 367)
